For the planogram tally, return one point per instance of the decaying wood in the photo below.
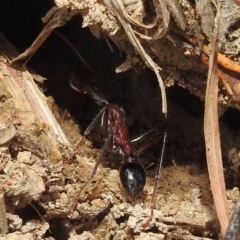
(22, 86)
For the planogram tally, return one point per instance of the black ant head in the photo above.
(133, 177)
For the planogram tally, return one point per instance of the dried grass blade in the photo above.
(58, 17)
(212, 135)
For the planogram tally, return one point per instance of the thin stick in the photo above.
(221, 75)
(221, 59)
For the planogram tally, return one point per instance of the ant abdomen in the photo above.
(133, 177)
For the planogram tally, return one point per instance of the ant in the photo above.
(116, 139)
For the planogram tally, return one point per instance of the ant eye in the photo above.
(133, 177)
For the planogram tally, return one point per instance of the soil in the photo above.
(41, 177)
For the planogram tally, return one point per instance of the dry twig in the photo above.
(221, 75)
(221, 59)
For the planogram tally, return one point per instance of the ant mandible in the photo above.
(116, 138)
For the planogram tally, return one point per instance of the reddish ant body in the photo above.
(116, 138)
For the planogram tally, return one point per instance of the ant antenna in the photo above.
(77, 53)
(157, 178)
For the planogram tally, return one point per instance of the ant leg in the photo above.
(146, 140)
(86, 132)
(90, 127)
(104, 123)
(157, 178)
(104, 150)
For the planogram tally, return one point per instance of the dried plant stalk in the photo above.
(212, 135)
